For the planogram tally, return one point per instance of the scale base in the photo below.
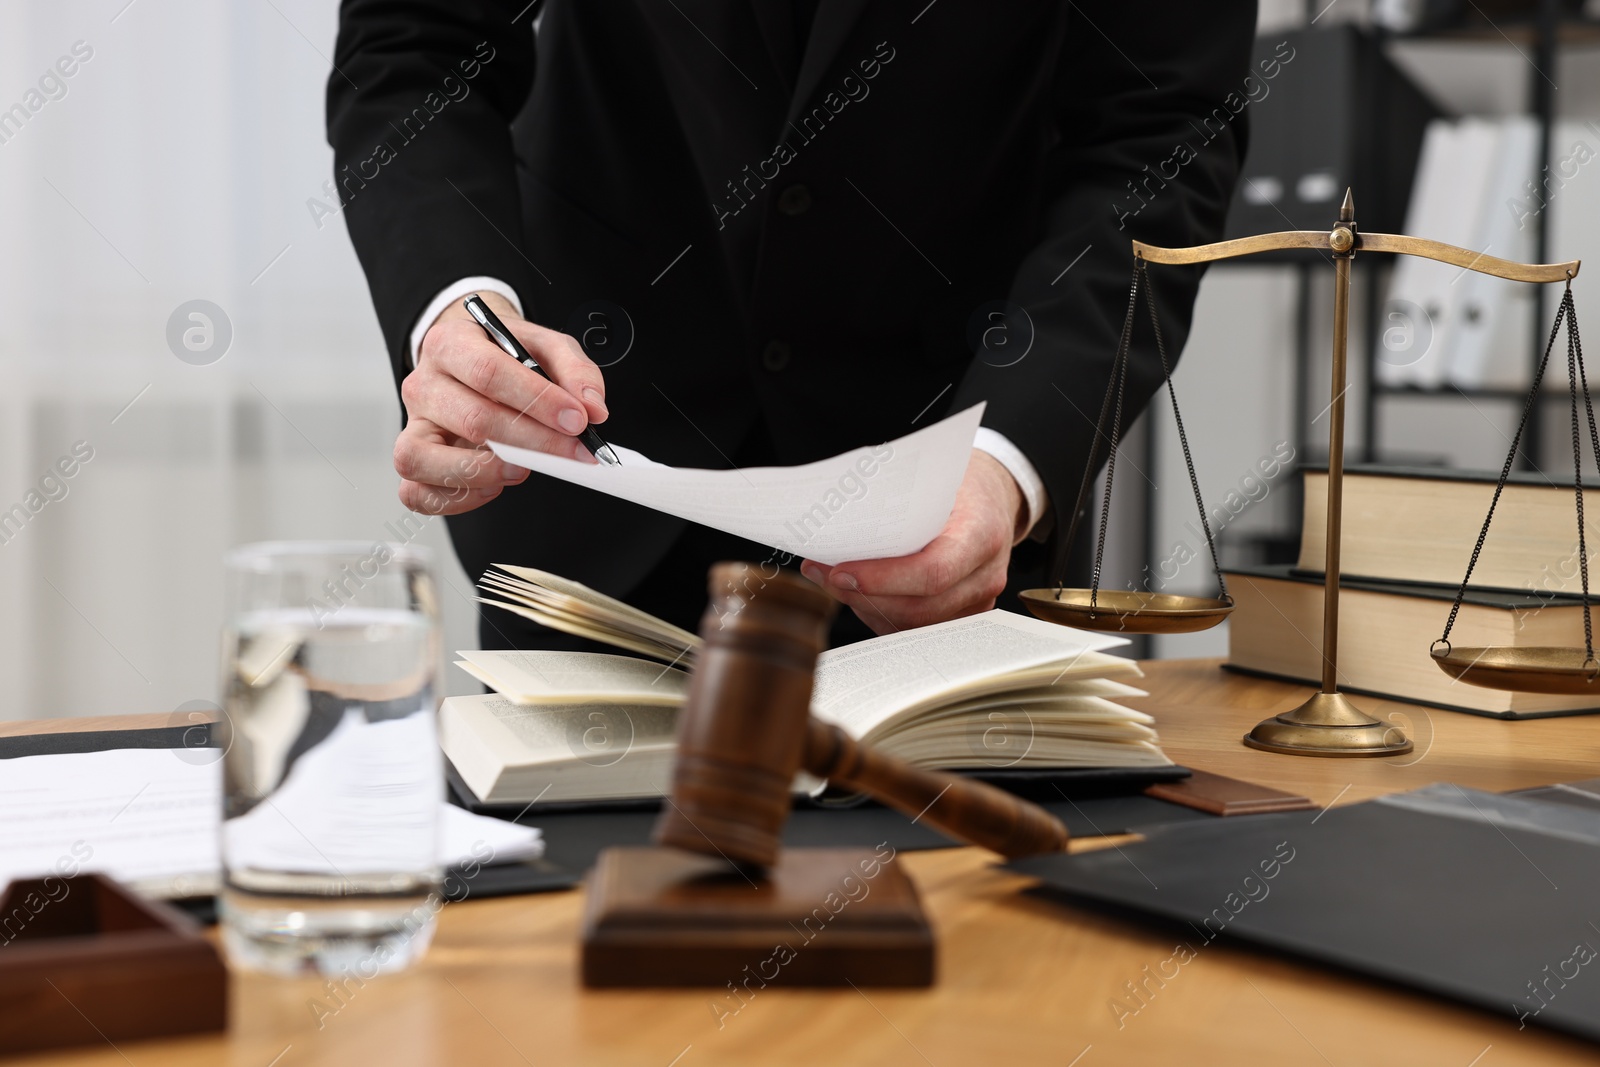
(1328, 725)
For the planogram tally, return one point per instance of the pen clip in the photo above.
(484, 317)
(491, 325)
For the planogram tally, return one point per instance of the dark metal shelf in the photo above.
(1548, 26)
(1451, 391)
(1517, 30)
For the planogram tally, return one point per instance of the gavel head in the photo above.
(741, 734)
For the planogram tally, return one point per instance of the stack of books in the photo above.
(1407, 538)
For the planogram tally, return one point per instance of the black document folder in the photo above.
(1091, 803)
(574, 838)
(1484, 898)
(1041, 786)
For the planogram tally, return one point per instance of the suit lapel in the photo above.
(776, 23)
(715, 45)
(835, 20)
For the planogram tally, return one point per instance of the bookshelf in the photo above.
(1539, 30)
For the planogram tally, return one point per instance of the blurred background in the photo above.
(182, 159)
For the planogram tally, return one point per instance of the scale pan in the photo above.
(1523, 670)
(1128, 612)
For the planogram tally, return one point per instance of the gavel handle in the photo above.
(966, 810)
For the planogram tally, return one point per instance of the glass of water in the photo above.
(332, 772)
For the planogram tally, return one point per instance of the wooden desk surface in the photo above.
(1022, 981)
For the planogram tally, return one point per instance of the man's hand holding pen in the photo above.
(465, 391)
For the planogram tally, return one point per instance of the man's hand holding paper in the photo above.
(960, 572)
(909, 532)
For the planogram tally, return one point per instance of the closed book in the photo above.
(1385, 631)
(1418, 524)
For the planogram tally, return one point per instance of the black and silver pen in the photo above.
(501, 336)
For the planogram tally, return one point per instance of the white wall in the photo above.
(176, 166)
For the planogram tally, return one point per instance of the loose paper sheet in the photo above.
(871, 503)
(358, 802)
(152, 817)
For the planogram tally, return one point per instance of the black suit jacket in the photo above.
(801, 236)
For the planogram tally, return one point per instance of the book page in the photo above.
(551, 592)
(870, 503)
(545, 677)
(565, 605)
(1054, 701)
(862, 686)
(1041, 751)
(600, 631)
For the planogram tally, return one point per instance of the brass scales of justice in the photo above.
(1328, 724)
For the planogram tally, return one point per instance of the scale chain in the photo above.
(1183, 438)
(1566, 311)
(1120, 376)
(1576, 374)
(1117, 385)
(1123, 344)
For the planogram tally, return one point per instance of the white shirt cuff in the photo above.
(1009, 456)
(449, 295)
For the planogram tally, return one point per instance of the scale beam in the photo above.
(1328, 724)
(1239, 246)
(1399, 244)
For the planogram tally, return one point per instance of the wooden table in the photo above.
(1022, 981)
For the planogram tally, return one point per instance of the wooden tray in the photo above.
(85, 961)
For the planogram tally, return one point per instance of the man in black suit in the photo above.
(751, 232)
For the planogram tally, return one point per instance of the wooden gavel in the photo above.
(747, 729)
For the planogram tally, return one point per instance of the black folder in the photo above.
(1091, 802)
(1484, 898)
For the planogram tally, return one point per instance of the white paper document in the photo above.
(151, 817)
(138, 814)
(870, 503)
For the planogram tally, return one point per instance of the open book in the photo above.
(991, 691)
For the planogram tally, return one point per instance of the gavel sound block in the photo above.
(718, 902)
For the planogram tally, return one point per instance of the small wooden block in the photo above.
(821, 917)
(1219, 795)
(84, 960)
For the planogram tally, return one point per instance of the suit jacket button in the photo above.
(795, 200)
(775, 356)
